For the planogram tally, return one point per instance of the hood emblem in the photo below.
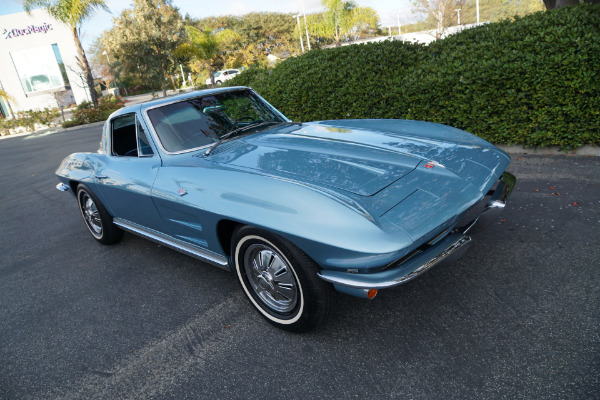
(182, 191)
(432, 164)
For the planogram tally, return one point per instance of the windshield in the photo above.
(218, 73)
(202, 121)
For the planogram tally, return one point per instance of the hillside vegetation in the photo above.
(533, 81)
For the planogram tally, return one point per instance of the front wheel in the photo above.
(280, 280)
(97, 219)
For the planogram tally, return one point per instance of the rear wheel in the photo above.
(280, 280)
(96, 218)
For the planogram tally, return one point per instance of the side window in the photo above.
(143, 144)
(123, 137)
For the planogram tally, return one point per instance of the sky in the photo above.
(388, 11)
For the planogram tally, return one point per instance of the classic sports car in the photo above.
(296, 210)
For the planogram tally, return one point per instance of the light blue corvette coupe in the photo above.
(297, 210)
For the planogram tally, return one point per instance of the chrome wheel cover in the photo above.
(271, 278)
(91, 214)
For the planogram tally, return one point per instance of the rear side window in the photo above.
(128, 138)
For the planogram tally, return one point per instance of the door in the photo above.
(125, 181)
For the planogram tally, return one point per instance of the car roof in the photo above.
(174, 99)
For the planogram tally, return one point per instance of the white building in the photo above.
(38, 63)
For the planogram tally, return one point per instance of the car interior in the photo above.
(124, 138)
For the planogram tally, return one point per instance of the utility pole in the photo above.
(477, 9)
(458, 12)
(300, 32)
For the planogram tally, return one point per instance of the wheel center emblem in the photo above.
(265, 280)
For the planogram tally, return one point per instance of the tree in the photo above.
(441, 11)
(72, 13)
(206, 46)
(343, 19)
(270, 32)
(144, 38)
(489, 11)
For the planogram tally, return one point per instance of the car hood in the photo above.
(360, 156)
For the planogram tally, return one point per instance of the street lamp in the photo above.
(458, 12)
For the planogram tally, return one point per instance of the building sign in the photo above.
(9, 34)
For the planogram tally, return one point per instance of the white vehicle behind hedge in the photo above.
(225, 75)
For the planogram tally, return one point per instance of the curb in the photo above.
(50, 131)
(587, 150)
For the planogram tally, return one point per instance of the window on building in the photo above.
(61, 64)
(39, 68)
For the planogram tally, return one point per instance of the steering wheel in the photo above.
(132, 152)
(247, 118)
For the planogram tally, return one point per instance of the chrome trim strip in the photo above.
(62, 187)
(175, 244)
(450, 248)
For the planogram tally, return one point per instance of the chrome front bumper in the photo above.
(447, 250)
(494, 203)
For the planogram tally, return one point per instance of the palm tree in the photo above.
(72, 13)
(206, 46)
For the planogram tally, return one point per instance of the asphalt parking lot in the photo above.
(517, 317)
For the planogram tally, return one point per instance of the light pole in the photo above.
(477, 9)
(399, 30)
(458, 12)
(182, 76)
(105, 53)
(300, 32)
(306, 26)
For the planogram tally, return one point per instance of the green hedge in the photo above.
(533, 81)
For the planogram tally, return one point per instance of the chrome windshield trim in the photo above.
(452, 247)
(175, 244)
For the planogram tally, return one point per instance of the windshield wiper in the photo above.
(241, 129)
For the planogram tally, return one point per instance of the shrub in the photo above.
(70, 123)
(85, 105)
(106, 106)
(533, 80)
(28, 120)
